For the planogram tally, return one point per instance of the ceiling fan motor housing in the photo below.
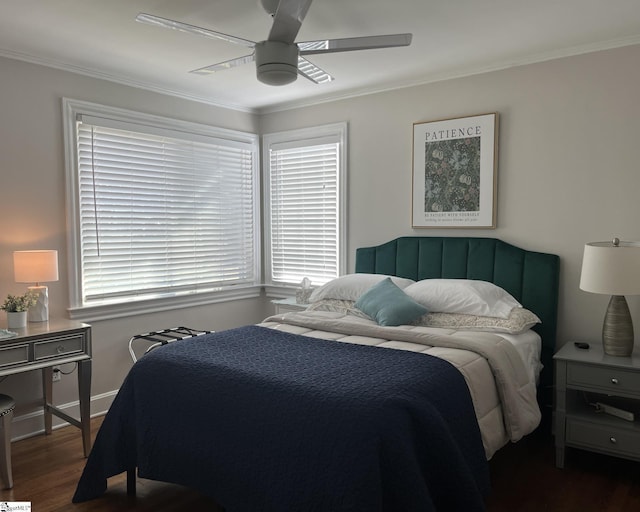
(276, 62)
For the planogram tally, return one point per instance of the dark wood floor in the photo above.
(524, 479)
(46, 470)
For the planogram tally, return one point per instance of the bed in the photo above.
(313, 411)
(531, 277)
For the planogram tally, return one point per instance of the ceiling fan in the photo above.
(279, 59)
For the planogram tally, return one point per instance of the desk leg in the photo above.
(47, 387)
(84, 392)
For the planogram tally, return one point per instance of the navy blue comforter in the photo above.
(263, 420)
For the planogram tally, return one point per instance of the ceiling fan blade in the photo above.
(288, 19)
(157, 21)
(349, 44)
(227, 64)
(312, 72)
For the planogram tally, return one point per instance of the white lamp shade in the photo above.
(35, 266)
(611, 269)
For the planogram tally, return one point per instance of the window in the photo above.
(161, 210)
(305, 177)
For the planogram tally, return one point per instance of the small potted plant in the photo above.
(17, 306)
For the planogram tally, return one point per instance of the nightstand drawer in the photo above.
(14, 355)
(59, 347)
(605, 379)
(598, 437)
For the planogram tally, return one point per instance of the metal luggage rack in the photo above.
(159, 338)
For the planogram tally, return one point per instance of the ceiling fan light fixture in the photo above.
(277, 74)
(276, 62)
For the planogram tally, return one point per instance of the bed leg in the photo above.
(131, 482)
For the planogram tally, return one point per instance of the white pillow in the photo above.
(352, 286)
(519, 321)
(465, 296)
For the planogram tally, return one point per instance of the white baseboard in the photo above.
(32, 423)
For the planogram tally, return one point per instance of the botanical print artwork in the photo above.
(454, 172)
(452, 175)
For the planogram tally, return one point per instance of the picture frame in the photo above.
(455, 172)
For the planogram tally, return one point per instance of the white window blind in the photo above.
(305, 206)
(162, 211)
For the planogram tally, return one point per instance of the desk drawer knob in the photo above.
(613, 440)
(60, 349)
(614, 381)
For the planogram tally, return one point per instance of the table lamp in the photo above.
(613, 268)
(36, 267)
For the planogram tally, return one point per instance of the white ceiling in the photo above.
(450, 38)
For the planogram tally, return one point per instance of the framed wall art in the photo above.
(455, 172)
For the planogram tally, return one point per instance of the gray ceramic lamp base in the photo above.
(617, 330)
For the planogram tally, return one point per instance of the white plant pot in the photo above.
(16, 319)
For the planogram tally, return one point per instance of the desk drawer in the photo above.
(59, 347)
(607, 438)
(613, 380)
(14, 355)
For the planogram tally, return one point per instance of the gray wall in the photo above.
(569, 161)
(32, 190)
(567, 174)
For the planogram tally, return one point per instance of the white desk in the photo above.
(43, 345)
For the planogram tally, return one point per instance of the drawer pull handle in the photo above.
(614, 381)
(613, 440)
(60, 349)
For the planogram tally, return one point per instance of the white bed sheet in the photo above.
(529, 346)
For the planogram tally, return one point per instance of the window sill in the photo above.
(279, 291)
(139, 307)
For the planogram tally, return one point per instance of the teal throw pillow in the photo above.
(389, 305)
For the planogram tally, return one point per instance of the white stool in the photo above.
(7, 404)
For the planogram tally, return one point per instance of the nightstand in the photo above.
(288, 305)
(586, 376)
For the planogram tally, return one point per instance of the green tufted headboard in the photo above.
(531, 277)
